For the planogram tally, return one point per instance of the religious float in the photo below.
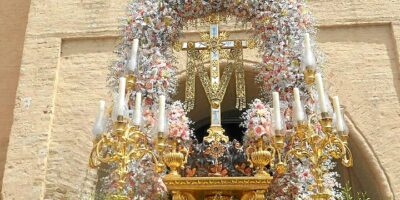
(293, 133)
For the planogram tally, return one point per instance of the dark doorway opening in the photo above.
(230, 122)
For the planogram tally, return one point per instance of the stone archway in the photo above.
(367, 174)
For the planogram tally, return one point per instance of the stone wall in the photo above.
(68, 46)
(13, 20)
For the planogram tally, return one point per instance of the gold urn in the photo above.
(260, 159)
(174, 160)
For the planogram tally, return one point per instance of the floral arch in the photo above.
(279, 28)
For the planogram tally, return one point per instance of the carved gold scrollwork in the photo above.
(254, 195)
(177, 195)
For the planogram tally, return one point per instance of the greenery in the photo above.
(348, 194)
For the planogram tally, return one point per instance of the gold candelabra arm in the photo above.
(340, 150)
(298, 153)
(93, 162)
(347, 159)
(100, 147)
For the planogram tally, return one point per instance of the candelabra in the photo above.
(317, 147)
(126, 143)
(118, 148)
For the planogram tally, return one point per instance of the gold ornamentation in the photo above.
(124, 144)
(260, 156)
(217, 183)
(237, 55)
(309, 75)
(174, 160)
(260, 159)
(130, 82)
(175, 157)
(244, 188)
(320, 196)
(191, 80)
(251, 43)
(214, 49)
(216, 133)
(118, 197)
(215, 18)
(317, 149)
(177, 46)
(177, 195)
(219, 195)
(216, 149)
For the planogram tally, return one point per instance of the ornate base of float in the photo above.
(221, 188)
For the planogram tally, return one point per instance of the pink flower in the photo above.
(263, 121)
(174, 131)
(259, 130)
(260, 106)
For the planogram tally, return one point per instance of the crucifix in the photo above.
(213, 47)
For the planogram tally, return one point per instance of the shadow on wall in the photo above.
(13, 22)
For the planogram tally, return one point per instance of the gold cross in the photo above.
(213, 47)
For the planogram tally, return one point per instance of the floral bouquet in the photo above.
(178, 122)
(257, 120)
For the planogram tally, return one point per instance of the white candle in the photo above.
(161, 114)
(138, 109)
(321, 93)
(277, 111)
(338, 112)
(298, 106)
(98, 127)
(134, 55)
(308, 57)
(121, 97)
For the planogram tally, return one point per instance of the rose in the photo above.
(260, 106)
(263, 121)
(259, 130)
(174, 132)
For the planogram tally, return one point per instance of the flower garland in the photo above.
(178, 122)
(278, 27)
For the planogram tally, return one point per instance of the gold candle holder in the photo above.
(301, 130)
(279, 144)
(326, 123)
(120, 125)
(279, 139)
(309, 75)
(130, 82)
